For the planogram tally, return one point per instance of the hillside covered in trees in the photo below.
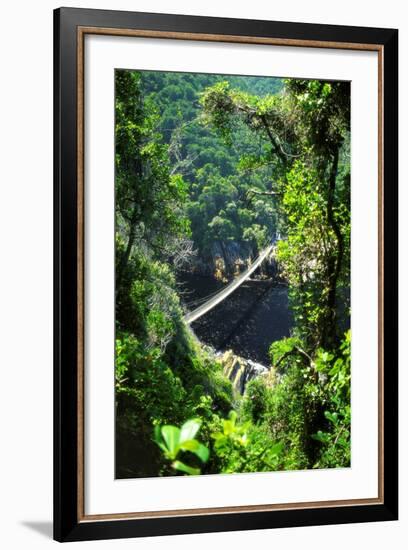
(210, 169)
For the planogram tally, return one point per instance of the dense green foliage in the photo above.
(204, 162)
(218, 206)
(304, 131)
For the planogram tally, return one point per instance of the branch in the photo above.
(295, 350)
(272, 139)
(338, 435)
(264, 193)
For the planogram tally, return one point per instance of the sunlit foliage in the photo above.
(204, 162)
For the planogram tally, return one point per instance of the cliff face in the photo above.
(240, 370)
(224, 257)
(227, 259)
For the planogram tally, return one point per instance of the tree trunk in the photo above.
(137, 169)
(274, 143)
(126, 255)
(335, 260)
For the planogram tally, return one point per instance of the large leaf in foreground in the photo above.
(181, 467)
(189, 429)
(171, 435)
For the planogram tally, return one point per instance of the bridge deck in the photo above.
(223, 293)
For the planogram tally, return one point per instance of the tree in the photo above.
(148, 198)
(305, 129)
(323, 110)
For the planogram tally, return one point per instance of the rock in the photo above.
(240, 370)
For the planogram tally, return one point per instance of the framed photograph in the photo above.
(225, 274)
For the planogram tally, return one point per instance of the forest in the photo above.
(211, 170)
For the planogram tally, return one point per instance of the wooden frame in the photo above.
(71, 26)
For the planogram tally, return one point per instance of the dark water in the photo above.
(247, 321)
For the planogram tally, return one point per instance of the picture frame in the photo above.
(71, 27)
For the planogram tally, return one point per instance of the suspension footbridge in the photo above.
(219, 296)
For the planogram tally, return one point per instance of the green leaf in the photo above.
(196, 448)
(181, 467)
(189, 429)
(233, 417)
(321, 436)
(171, 436)
(276, 449)
(228, 427)
(190, 445)
(202, 452)
(333, 417)
(157, 434)
(159, 439)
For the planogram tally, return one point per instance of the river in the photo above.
(247, 321)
